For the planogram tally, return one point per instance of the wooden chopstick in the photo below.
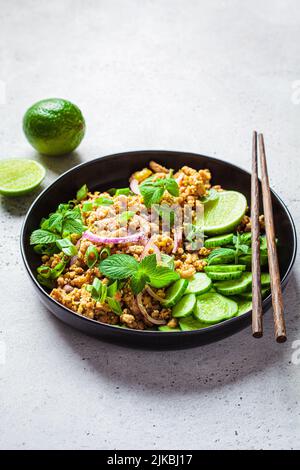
(278, 313)
(257, 317)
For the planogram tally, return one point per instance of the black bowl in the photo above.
(114, 171)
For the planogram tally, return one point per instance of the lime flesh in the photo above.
(18, 176)
(224, 213)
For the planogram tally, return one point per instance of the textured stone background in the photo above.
(171, 74)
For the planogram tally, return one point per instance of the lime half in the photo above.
(224, 213)
(20, 176)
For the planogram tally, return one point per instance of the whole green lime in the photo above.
(54, 126)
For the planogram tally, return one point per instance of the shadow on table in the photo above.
(61, 164)
(18, 206)
(193, 370)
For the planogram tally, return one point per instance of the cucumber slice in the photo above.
(218, 241)
(235, 286)
(264, 293)
(246, 259)
(221, 256)
(167, 328)
(224, 276)
(175, 292)
(191, 323)
(224, 268)
(224, 213)
(244, 305)
(198, 284)
(213, 308)
(185, 306)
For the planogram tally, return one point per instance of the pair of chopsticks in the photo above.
(278, 314)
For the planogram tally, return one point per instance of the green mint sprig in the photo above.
(65, 221)
(153, 191)
(146, 272)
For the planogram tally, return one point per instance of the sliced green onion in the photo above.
(44, 271)
(45, 282)
(82, 193)
(115, 306)
(125, 191)
(104, 253)
(98, 290)
(91, 256)
(125, 216)
(87, 207)
(58, 269)
(67, 247)
(103, 201)
(112, 191)
(112, 289)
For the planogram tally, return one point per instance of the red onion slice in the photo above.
(145, 313)
(128, 239)
(134, 186)
(179, 178)
(153, 294)
(73, 260)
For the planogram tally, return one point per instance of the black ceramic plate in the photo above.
(114, 171)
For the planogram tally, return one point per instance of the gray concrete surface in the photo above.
(171, 74)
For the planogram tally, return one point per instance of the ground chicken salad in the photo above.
(169, 252)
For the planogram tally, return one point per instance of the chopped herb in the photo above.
(153, 191)
(125, 216)
(112, 289)
(67, 247)
(91, 256)
(103, 201)
(147, 271)
(87, 206)
(115, 306)
(125, 191)
(82, 193)
(104, 253)
(42, 237)
(98, 290)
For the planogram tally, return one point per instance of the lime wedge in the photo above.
(20, 176)
(224, 213)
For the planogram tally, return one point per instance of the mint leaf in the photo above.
(172, 186)
(72, 224)
(138, 281)
(148, 264)
(42, 237)
(163, 276)
(151, 193)
(119, 266)
(53, 223)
